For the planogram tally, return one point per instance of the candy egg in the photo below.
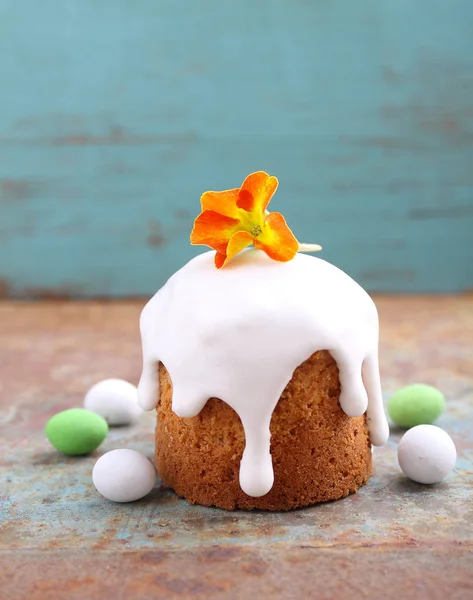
(115, 400)
(426, 454)
(76, 431)
(416, 404)
(123, 475)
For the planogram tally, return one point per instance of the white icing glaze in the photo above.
(239, 333)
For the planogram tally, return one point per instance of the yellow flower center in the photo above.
(256, 231)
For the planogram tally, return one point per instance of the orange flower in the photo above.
(234, 219)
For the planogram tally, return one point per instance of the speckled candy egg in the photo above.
(115, 400)
(76, 431)
(426, 454)
(123, 475)
(416, 404)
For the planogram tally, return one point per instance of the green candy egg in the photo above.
(76, 431)
(417, 404)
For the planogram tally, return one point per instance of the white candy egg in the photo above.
(115, 400)
(123, 475)
(426, 454)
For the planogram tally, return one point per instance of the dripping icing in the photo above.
(239, 333)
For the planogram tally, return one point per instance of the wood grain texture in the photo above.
(115, 116)
(59, 538)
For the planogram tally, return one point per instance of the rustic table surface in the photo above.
(60, 539)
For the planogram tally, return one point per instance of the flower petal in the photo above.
(213, 229)
(219, 260)
(224, 202)
(277, 240)
(238, 242)
(256, 192)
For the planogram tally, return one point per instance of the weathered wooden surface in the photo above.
(115, 116)
(60, 539)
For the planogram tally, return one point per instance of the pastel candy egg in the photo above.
(115, 400)
(123, 475)
(76, 431)
(416, 405)
(426, 454)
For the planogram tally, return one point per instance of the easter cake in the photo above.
(262, 365)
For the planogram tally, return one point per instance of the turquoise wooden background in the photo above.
(115, 115)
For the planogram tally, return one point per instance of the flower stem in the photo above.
(309, 247)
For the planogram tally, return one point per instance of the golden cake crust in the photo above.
(318, 452)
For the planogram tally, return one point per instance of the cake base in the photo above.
(318, 452)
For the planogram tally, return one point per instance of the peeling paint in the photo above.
(115, 137)
(182, 213)
(4, 288)
(156, 237)
(391, 143)
(56, 294)
(399, 275)
(390, 75)
(448, 212)
(13, 190)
